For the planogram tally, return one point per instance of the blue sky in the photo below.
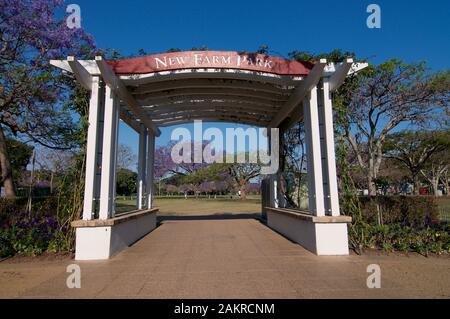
(410, 30)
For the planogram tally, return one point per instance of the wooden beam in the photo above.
(358, 66)
(90, 66)
(116, 84)
(294, 117)
(189, 113)
(339, 75)
(213, 119)
(81, 74)
(85, 79)
(212, 91)
(129, 120)
(61, 64)
(209, 83)
(139, 79)
(300, 92)
(255, 103)
(208, 98)
(198, 114)
(202, 105)
(225, 115)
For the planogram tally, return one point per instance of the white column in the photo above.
(314, 158)
(273, 178)
(330, 178)
(110, 131)
(114, 155)
(150, 167)
(274, 190)
(141, 167)
(95, 104)
(280, 180)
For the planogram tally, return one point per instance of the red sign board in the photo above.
(210, 59)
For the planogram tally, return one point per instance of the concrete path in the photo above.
(228, 258)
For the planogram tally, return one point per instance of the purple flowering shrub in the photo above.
(30, 233)
(36, 102)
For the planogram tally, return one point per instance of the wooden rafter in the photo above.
(117, 86)
(209, 83)
(208, 104)
(149, 98)
(339, 75)
(212, 91)
(234, 113)
(300, 92)
(141, 79)
(199, 98)
(213, 119)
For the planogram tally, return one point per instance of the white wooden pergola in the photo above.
(217, 86)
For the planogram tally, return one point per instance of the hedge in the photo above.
(413, 211)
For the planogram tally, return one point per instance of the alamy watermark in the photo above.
(74, 279)
(187, 151)
(73, 21)
(374, 279)
(374, 19)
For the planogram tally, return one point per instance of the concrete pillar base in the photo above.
(322, 235)
(102, 239)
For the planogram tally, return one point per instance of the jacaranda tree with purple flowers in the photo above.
(32, 93)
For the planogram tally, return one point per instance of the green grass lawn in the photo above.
(197, 206)
(178, 205)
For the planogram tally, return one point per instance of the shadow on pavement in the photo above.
(217, 216)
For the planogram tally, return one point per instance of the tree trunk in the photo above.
(242, 190)
(435, 184)
(416, 183)
(5, 166)
(371, 185)
(446, 181)
(51, 183)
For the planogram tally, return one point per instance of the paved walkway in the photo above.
(228, 258)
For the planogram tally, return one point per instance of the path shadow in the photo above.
(217, 216)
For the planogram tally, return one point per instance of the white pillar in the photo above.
(114, 156)
(329, 162)
(141, 167)
(150, 167)
(273, 178)
(93, 142)
(314, 158)
(274, 191)
(110, 131)
(280, 180)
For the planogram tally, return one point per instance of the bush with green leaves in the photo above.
(31, 234)
(413, 211)
(396, 223)
(396, 237)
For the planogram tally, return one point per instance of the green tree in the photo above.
(31, 94)
(171, 189)
(20, 156)
(242, 173)
(333, 56)
(382, 98)
(293, 150)
(418, 150)
(436, 169)
(126, 181)
(126, 158)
